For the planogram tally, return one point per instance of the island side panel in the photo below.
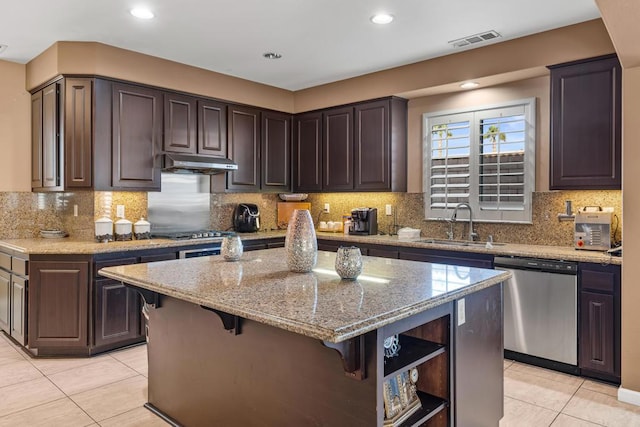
(202, 375)
(478, 365)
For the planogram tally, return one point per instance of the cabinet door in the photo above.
(212, 128)
(137, 125)
(117, 313)
(58, 304)
(307, 152)
(586, 125)
(179, 123)
(78, 133)
(18, 309)
(51, 147)
(244, 148)
(337, 148)
(371, 147)
(5, 300)
(597, 332)
(36, 140)
(276, 151)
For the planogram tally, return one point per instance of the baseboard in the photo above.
(629, 396)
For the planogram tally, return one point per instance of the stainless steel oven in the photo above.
(541, 312)
(192, 253)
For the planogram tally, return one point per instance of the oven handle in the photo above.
(192, 253)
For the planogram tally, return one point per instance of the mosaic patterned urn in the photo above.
(300, 243)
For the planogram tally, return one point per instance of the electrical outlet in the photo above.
(120, 211)
(388, 210)
(327, 208)
(75, 210)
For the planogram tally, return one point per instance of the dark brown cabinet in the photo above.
(137, 129)
(360, 147)
(212, 128)
(275, 152)
(337, 149)
(58, 305)
(179, 123)
(46, 143)
(5, 300)
(244, 148)
(117, 313)
(586, 119)
(78, 133)
(18, 330)
(307, 152)
(599, 330)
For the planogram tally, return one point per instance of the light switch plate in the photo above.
(461, 314)
(75, 210)
(120, 211)
(327, 208)
(388, 210)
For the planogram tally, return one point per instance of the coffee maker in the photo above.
(364, 221)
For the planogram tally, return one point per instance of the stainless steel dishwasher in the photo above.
(541, 312)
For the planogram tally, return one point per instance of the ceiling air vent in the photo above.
(476, 38)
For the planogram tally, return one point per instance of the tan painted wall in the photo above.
(103, 60)
(536, 87)
(15, 129)
(531, 53)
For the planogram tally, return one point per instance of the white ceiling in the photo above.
(321, 41)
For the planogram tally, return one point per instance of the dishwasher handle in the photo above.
(536, 264)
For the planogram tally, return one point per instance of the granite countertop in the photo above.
(316, 304)
(40, 246)
(67, 245)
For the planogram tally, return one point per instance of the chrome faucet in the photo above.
(472, 234)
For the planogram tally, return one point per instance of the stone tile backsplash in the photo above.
(24, 214)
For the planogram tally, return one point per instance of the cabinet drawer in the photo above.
(158, 257)
(5, 261)
(603, 281)
(112, 262)
(20, 266)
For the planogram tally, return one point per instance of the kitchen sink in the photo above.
(458, 242)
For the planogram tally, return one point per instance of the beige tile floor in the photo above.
(109, 390)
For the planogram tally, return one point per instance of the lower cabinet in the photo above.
(116, 313)
(18, 330)
(58, 305)
(5, 300)
(599, 323)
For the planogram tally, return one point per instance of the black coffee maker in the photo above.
(246, 218)
(364, 221)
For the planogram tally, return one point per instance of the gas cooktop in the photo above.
(193, 235)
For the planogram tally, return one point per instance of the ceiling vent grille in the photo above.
(476, 38)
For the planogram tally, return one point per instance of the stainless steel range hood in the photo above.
(187, 163)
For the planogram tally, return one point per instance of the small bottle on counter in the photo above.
(347, 226)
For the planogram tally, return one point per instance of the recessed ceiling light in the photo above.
(3, 47)
(142, 13)
(381, 18)
(272, 55)
(469, 85)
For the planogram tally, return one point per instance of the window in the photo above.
(484, 157)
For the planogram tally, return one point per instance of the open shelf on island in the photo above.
(413, 351)
(431, 405)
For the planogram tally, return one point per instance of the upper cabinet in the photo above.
(259, 141)
(136, 133)
(586, 124)
(359, 147)
(194, 126)
(46, 139)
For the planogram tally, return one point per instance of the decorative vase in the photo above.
(231, 248)
(300, 243)
(349, 262)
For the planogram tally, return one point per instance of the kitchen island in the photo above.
(249, 343)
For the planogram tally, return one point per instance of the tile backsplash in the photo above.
(23, 214)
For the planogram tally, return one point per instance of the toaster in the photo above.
(246, 218)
